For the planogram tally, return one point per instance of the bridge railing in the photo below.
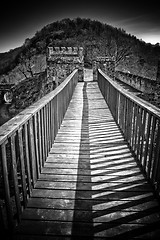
(139, 122)
(25, 142)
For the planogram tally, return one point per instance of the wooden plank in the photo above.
(67, 156)
(63, 230)
(98, 205)
(94, 179)
(45, 228)
(61, 177)
(96, 195)
(48, 214)
(93, 166)
(131, 186)
(41, 237)
(73, 165)
(85, 216)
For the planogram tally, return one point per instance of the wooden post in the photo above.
(28, 167)
(150, 153)
(143, 136)
(15, 178)
(23, 176)
(40, 147)
(43, 136)
(32, 152)
(6, 187)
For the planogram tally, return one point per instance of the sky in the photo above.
(22, 19)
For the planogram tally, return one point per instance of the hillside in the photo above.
(97, 39)
(9, 60)
(24, 94)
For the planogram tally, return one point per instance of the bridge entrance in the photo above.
(88, 74)
(61, 61)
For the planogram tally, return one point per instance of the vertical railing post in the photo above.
(8, 204)
(32, 152)
(156, 166)
(22, 167)
(28, 166)
(151, 147)
(147, 142)
(142, 136)
(43, 136)
(35, 127)
(15, 177)
(39, 140)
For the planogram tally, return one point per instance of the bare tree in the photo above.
(26, 63)
(119, 50)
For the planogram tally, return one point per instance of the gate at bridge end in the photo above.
(61, 61)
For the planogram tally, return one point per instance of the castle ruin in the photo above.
(61, 61)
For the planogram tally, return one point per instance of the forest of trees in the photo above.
(96, 38)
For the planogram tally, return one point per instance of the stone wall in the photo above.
(144, 85)
(29, 91)
(107, 65)
(61, 61)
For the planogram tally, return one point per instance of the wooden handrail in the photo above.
(148, 106)
(139, 122)
(25, 142)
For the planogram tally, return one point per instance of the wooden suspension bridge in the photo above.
(85, 164)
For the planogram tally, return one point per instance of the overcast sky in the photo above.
(21, 20)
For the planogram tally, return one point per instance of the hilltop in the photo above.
(97, 39)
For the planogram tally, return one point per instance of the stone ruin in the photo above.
(106, 64)
(61, 61)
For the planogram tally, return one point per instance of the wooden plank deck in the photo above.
(90, 186)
